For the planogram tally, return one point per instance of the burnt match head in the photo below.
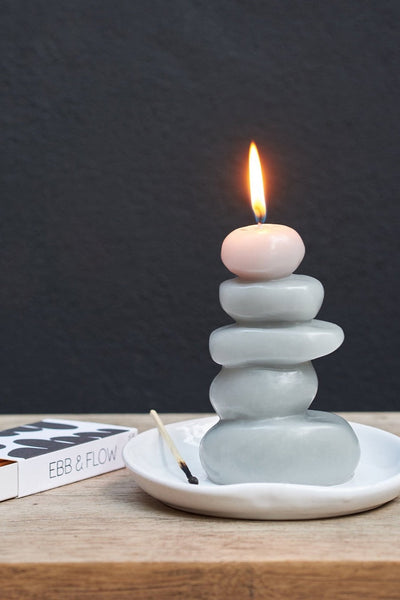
(191, 478)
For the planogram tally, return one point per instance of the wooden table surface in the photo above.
(104, 538)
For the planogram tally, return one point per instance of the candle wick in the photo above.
(260, 217)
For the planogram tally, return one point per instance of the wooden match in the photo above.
(174, 450)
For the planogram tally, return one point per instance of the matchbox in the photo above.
(53, 452)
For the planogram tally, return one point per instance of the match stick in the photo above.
(173, 448)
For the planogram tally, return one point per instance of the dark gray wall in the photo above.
(126, 127)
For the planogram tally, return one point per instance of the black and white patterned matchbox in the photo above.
(54, 452)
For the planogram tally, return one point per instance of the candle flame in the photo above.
(256, 185)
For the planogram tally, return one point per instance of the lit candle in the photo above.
(267, 382)
(263, 251)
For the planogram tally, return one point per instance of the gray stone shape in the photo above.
(294, 298)
(261, 392)
(313, 448)
(274, 344)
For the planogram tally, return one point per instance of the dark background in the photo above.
(125, 135)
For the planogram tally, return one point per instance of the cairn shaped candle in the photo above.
(267, 382)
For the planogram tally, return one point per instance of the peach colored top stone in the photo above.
(263, 251)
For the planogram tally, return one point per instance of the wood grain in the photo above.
(104, 538)
(202, 581)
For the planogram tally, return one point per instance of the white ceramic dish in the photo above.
(376, 480)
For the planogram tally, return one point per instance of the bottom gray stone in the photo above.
(314, 448)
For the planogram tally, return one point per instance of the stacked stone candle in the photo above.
(267, 381)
